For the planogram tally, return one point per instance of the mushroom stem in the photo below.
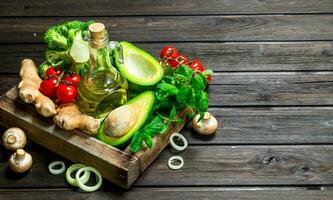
(20, 155)
(20, 161)
(11, 139)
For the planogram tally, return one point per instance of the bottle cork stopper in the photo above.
(97, 30)
(20, 153)
(11, 139)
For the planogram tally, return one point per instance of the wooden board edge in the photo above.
(115, 165)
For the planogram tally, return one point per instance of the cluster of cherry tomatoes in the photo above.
(170, 55)
(60, 85)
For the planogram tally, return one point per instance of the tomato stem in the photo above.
(59, 78)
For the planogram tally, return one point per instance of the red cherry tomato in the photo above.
(196, 65)
(182, 59)
(73, 79)
(168, 51)
(66, 93)
(209, 78)
(172, 61)
(52, 71)
(48, 87)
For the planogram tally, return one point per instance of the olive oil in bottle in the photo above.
(103, 88)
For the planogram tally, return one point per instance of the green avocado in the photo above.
(141, 70)
(130, 117)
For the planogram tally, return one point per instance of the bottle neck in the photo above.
(100, 54)
(99, 42)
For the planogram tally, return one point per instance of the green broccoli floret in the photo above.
(66, 45)
(78, 25)
(61, 36)
(74, 26)
(56, 58)
(42, 68)
(54, 39)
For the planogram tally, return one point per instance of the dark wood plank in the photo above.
(245, 165)
(269, 89)
(206, 166)
(188, 193)
(7, 82)
(184, 28)
(38, 176)
(221, 57)
(260, 125)
(272, 125)
(162, 7)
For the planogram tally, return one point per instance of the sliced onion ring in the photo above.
(173, 158)
(84, 178)
(174, 145)
(57, 171)
(82, 185)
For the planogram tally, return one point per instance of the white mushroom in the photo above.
(20, 161)
(206, 126)
(14, 138)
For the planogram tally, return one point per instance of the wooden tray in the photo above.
(118, 166)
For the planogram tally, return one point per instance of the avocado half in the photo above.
(144, 102)
(141, 70)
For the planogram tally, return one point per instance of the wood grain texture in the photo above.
(38, 176)
(269, 125)
(161, 7)
(275, 110)
(221, 57)
(261, 125)
(268, 89)
(271, 88)
(245, 165)
(7, 82)
(115, 165)
(184, 28)
(254, 165)
(188, 193)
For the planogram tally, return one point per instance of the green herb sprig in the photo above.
(179, 89)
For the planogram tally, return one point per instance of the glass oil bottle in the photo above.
(103, 88)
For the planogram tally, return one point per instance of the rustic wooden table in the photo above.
(272, 93)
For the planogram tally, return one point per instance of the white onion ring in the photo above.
(175, 167)
(57, 171)
(85, 177)
(174, 145)
(82, 185)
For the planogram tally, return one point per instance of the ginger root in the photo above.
(29, 89)
(69, 117)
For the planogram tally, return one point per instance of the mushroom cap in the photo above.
(207, 126)
(14, 138)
